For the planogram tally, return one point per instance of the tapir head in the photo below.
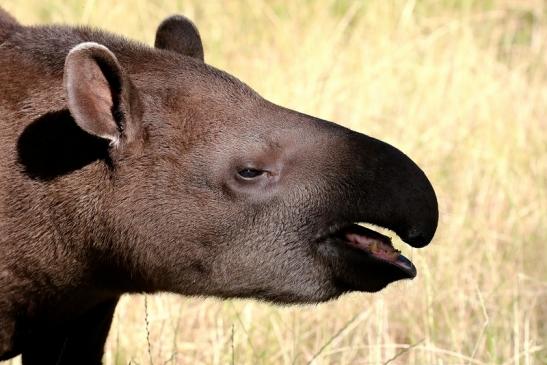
(209, 189)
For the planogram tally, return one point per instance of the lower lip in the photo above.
(396, 259)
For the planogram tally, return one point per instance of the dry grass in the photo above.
(461, 86)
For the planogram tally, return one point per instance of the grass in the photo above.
(461, 86)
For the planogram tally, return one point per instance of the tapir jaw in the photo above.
(386, 189)
(364, 259)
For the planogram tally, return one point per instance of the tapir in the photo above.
(126, 168)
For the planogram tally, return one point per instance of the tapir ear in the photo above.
(178, 34)
(101, 98)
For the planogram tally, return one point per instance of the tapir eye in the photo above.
(249, 173)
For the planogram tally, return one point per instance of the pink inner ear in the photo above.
(89, 96)
(99, 90)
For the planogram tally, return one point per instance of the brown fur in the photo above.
(7, 24)
(119, 174)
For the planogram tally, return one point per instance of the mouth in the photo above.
(375, 246)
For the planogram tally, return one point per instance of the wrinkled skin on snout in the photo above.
(126, 169)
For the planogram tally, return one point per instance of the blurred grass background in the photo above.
(459, 85)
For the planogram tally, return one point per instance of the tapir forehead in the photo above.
(192, 93)
(182, 76)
